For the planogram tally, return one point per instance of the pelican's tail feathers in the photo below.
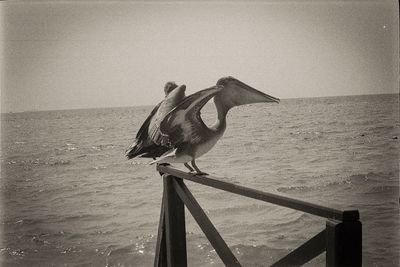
(145, 150)
(168, 157)
(134, 150)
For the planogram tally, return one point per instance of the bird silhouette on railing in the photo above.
(182, 135)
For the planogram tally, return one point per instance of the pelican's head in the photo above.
(244, 94)
(168, 87)
(236, 93)
(225, 80)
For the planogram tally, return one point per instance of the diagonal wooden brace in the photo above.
(205, 224)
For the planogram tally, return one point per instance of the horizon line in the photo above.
(146, 105)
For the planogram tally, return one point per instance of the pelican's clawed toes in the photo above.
(199, 173)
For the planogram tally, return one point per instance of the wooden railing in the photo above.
(341, 238)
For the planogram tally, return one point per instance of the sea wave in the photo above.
(372, 182)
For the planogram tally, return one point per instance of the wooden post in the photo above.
(174, 225)
(343, 243)
(160, 259)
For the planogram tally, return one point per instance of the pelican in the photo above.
(144, 145)
(189, 137)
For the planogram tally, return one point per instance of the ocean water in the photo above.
(70, 198)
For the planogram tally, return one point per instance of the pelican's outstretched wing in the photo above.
(143, 132)
(142, 137)
(236, 93)
(183, 123)
(144, 145)
(170, 102)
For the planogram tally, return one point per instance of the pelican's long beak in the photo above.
(254, 96)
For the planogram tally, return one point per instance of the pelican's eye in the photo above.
(225, 80)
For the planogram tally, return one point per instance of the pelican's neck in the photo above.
(220, 125)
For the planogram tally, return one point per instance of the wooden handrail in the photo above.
(347, 215)
(341, 238)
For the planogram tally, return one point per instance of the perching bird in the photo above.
(189, 137)
(144, 145)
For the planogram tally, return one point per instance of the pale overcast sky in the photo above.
(64, 55)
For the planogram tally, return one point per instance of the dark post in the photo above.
(160, 259)
(174, 225)
(343, 243)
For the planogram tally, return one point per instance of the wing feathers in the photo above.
(145, 144)
(169, 103)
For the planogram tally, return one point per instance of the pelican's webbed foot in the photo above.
(200, 173)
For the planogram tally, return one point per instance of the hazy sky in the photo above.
(62, 55)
